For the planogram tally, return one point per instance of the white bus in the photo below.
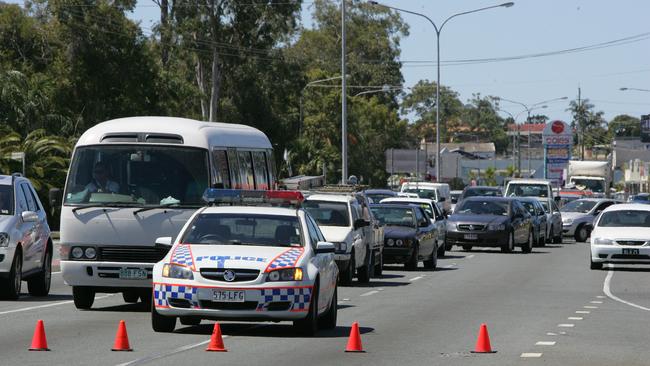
(132, 180)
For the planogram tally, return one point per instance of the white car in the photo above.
(621, 234)
(25, 244)
(247, 263)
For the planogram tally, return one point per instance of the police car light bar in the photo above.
(214, 196)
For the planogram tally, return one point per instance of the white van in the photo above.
(132, 180)
(438, 192)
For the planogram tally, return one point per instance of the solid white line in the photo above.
(449, 266)
(590, 307)
(531, 355)
(470, 256)
(416, 278)
(608, 292)
(575, 318)
(545, 343)
(166, 354)
(595, 302)
(370, 293)
(566, 325)
(600, 297)
(583, 312)
(47, 305)
(380, 289)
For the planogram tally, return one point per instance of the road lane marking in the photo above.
(170, 353)
(48, 305)
(531, 355)
(608, 292)
(345, 299)
(380, 289)
(595, 302)
(600, 297)
(370, 293)
(583, 312)
(590, 307)
(566, 325)
(56, 272)
(450, 265)
(545, 343)
(416, 278)
(551, 334)
(575, 318)
(470, 256)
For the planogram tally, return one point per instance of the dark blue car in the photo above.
(377, 195)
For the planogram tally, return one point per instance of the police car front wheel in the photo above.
(162, 324)
(309, 325)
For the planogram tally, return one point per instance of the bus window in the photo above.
(261, 173)
(233, 165)
(222, 173)
(246, 170)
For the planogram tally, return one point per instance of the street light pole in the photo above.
(438, 30)
(344, 109)
(300, 99)
(636, 89)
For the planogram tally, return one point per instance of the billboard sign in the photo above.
(645, 128)
(558, 141)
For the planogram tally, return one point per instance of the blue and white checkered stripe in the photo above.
(286, 259)
(183, 255)
(162, 292)
(299, 297)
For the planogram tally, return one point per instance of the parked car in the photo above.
(438, 192)
(376, 195)
(538, 216)
(578, 216)
(434, 214)
(25, 243)
(641, 198)
(621, 235)
(553, 221)
(410, 236)
(490, 222)
(543, 190)
(471, 191)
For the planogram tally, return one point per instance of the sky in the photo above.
(529, 27)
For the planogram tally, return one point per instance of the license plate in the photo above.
(228, 296)
(133, 274)
(471, 236)
(631, 251)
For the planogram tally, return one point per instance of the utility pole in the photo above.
(581, 128)
(344, 112)
(519, 150)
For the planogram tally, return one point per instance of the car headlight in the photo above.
(4, 239)
(90, 253)
(567, 221)
(496, 227)
(451, 226)
(399, 242)
(287, 274)
(77, 253)
(341, 246)
(603, 241)
(177, 271)
(390, 242)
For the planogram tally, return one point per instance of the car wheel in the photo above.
(130, 296)
(595, 265)
(309, 325)
(161, 323)
(528, 245)
(328, 321)
(441, 250)
(509, 246)
(558, 239)
(379, 267)
(448, 246)
(412, 263)
(363, 273)
(348, 274)
(11, 285)
(83, 297)
(433, 262)
(581, 234)
(40, 284)
(191, 321)
(550, 236)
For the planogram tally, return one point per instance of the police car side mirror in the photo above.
(164, 242)
(323, 247)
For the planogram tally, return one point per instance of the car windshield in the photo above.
(6, 200)
(527, 190)
(244, 229)
(376, 197)
(328, 213)
(474, 207)
(581, 206)
(397, 216)
(594, 185)
(426, 207)
(423, 193)
(641, 197)
(137, 175)
(625, 218)
(482, 192)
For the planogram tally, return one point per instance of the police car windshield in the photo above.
(244, 229)
(6, 200)
(328, 213)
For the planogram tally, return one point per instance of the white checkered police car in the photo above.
(244, 262)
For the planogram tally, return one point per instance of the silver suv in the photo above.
(25, 244)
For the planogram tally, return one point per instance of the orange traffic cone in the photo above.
(216, 341)
(354, 341)
(483, 341)
(121, 339)
(39, 341)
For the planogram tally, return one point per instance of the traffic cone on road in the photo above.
(121, 339)
(483, 341)
(354, 341)
(39, 341)
(216, 341)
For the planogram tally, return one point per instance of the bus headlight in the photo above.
(176, 271)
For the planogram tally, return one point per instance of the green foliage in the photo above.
(489, 177)
(624, 125)
(589, 123)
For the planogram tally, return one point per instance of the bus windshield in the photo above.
(137, 175)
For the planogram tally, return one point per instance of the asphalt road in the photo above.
(583, 317)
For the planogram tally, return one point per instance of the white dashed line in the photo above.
(370, 293)
(48, 305)
(575, 318)
(450, 266)
(595, 302)
(600, 297)
(545, 343)
(551, 334)
(590, 307)
(56, 272)
(531, 355)
(583, 312)
(415, 278)
(346, 299)
(470, 256)
(380, 289)
(608, 292)
(566, 325)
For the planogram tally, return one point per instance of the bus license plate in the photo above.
(630, 251)
(471, 236)
(133, 274)
(228, 296)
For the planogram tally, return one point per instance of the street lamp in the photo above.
(637, 89)
(384, 89)
(311, 83)
(438, 30)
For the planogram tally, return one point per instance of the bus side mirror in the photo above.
(55, 196)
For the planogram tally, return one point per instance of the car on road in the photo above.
(621, 235)
(553, 221)
(377, 195)
(471, 191)
(25, 242)
(410, 236)
(455, 195)
(434, 214)
(538, 216)
(578, 216)
(252, 263)
(641, 198)
(438, 192)
(490, 222)
(541, 189)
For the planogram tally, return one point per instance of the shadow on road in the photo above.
(553, 246)
(385, 276)
(49, 298)
(267, 330)
(515, 252)
(345, 306)
(373, 284)
(125, 308)
(626, 269)
(447, 256)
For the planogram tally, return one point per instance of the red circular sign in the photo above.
(557, 127)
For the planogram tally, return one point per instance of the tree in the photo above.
(590, 125)
(624, 125)
(490, 176)
(480, 114)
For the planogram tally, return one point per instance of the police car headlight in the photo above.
(390, 242)
(176, 271)
(77, 253)
(4, 240)
(287, 274)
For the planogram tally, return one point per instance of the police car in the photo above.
(247, 261)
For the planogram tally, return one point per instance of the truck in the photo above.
(595, 176)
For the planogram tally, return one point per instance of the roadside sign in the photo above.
(557, 138)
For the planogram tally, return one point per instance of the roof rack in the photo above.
(341, 189)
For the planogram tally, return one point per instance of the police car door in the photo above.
(323, 263)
